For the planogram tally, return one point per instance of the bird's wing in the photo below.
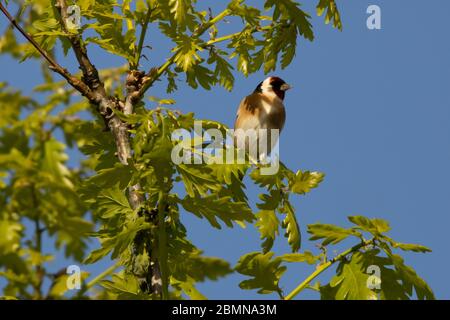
(247, 116)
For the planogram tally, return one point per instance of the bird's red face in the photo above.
(275, 85)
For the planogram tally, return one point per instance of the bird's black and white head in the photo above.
(273, 86)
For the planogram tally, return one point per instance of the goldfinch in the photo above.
(263, 109)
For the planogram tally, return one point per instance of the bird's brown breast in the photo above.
(260, 111)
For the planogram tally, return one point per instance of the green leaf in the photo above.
(162, 101)
(247, 13)
(198, 74)
(289, 21)
(179, 9)
(332, 13)
(124, 286)
(198, 268)
(411, 280)
(306, 256)
(117, 242)
(350, 281)
(118, 175)
(370, 276)
(271, 181)
(197, 179)
(59, 286)
(113, 202)
(213, 208)
(10, 235)
(186, 53)
(223, 71)
(411, 247)
(188, 287)
(290, 10)
(52, 161)
(267, 224)
(384, 280)
(303, 182)
(291, 225)
(270, 201)
(330, 233)
(374, 226)
(264, 272)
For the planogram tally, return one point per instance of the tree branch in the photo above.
(91, 78)
(118, 127)
(162, 244)
(53, 65)
(325, 266)
(142, 38)
(40, 271)
(93, 88)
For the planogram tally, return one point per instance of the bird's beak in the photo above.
(285, 87)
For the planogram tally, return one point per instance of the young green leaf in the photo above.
(330, 233)
(213, 208)
(264, 272)
(268, 226)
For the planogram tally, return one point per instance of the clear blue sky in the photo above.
(371, 109)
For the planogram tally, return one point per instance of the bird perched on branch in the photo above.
(263, 109)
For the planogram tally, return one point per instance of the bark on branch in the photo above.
(91, 86)
(119, 128)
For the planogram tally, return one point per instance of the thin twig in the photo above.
(142, 38)
(40, 271)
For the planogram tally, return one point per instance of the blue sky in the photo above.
(369, 108)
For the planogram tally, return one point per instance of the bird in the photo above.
(262, 109)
